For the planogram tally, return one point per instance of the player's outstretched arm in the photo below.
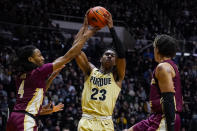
(76, 48)
(83, 63)
(81, 59)
(82, 30)
(164, 74)
(120, 62)
(52, 77)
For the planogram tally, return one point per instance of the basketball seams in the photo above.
(92, 16)
(104, 11)
(97, 16)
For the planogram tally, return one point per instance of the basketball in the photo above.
(96, 17)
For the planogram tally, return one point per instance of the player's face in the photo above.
(108, 59)
(37, 58)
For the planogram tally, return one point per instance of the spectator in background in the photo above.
(122, 121)
(193, 123)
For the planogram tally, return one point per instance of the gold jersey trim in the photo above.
(35, 103)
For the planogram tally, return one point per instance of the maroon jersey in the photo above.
(156, 121)
(31, 90)
(155, 93)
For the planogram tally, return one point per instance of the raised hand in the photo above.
(58, 107)
(48, 110)
(109, 20)
(84, 26)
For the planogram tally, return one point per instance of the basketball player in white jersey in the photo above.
(102, 85)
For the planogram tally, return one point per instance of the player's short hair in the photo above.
(109, 49)
(167, 45)
(26, 51)
(23, 54)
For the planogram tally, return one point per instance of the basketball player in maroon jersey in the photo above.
(165, 91)
(31, 82)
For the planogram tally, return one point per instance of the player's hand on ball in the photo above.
(85, 23)
(108, 17)
(58, 107)
(84, 31)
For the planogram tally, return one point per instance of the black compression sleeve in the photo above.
(169, 109)
(118, 45)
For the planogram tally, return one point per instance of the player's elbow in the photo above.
(121, 77)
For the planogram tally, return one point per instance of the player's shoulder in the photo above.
(47, 65)
(163, 68)
(42, 71)
(44, 67)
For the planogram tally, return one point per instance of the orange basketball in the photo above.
(96, 17)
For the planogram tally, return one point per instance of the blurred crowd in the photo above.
(144, 20)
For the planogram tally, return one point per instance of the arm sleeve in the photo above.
(169, 109)
(117, 44)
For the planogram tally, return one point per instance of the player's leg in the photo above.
(140, 126)
(15, 122)
(177, 123)
(10, 125)
(85, 125)
(29, 124)
(153, 123)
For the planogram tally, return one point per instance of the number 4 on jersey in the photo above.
(21, 89)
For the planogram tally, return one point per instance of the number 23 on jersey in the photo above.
(101, 94)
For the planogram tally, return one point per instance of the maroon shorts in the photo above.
(20, 122)
(156, 122)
